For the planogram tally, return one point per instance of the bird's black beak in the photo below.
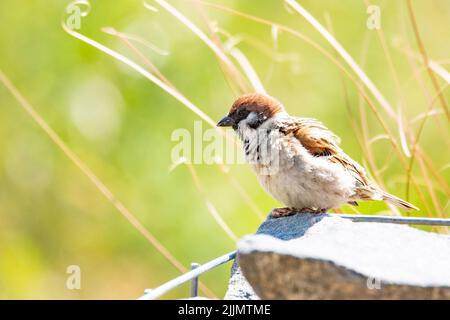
(226, 122)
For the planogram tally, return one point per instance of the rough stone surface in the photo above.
(324, 257)
(238, 287)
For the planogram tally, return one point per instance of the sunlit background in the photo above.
(119, 124)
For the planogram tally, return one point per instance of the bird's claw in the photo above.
(285, 212)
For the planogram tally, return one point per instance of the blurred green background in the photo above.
(120, 125)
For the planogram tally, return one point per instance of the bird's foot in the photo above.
(312, 210)
(290, 211)
(283, 212)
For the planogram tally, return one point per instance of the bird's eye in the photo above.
(242, 113)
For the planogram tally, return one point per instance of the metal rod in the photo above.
(194, 282)
(398, 220)
(156, 293)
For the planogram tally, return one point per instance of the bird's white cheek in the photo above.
(244, 131)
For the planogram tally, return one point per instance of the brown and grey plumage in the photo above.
(298, 160)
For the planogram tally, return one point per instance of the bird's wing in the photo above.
(321, 142)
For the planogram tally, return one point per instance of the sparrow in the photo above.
(298, 160)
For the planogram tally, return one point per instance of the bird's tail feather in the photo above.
(398, 202)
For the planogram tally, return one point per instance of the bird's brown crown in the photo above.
(257, 102)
